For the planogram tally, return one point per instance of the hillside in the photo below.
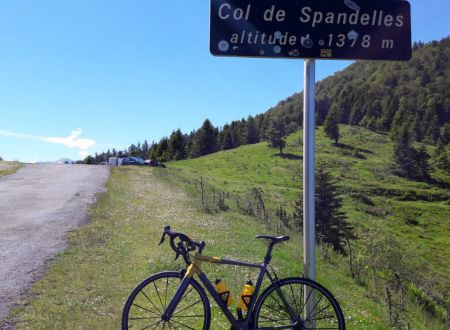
(414, 214)
(380, 96)
(383, 95)
(86, 286)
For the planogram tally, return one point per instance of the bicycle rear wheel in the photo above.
(147, 303)
(284, 305)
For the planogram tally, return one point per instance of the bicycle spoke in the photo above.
(323, 318)
(154, 325)
(185, 295)
(293, 296)
(146, 305)
(272, 320)
(276, 310)
(302, 296)
(317, 303)
(187, 307)
(165, 297)
(281, 306)
(306, 300)
(151, 302)
(144, 318)
(319, 311)
(184, 325)
(189, 316)
(159, 296)
(145, 309)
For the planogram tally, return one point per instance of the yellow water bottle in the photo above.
(246, 296)
(224, 292)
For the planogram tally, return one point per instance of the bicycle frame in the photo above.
(195, 269)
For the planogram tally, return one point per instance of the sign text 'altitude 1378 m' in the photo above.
(323, 29)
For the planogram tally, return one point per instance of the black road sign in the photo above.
(322, 29)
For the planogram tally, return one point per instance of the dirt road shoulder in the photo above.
(39, 204)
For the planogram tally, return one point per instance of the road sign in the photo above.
(321, 29)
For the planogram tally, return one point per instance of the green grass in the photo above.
(362, 166)
(417, 213)
(7, 168)
(86, 286)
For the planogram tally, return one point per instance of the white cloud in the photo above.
(72, 141)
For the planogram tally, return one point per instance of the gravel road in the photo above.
(38, 205)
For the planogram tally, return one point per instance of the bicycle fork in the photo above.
(178, 295)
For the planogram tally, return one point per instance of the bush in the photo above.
(427, 303)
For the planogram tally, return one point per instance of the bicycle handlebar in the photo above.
(183, 246)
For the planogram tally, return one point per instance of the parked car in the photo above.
(154, 162)
(113, 161)
(133, 161)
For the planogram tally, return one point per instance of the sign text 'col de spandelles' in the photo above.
(321, 29)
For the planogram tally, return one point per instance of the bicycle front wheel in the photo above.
(146, 305)
(298, 303)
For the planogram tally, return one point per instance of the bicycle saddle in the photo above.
(274, 239)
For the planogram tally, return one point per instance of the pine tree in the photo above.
(89, 160)
(134, 151)
(235, 131)
(441, 157)
(205, 140)
(445, 133)
(276, 134)
(422, 164)
(144, 149)
(160, 151)
(227, 140)
(331, 223)
(433, 130)
(252, 133)
(355, 115)
(331, 126)
(399, 117)
(410, 163)
(404, 153)
(177, 146)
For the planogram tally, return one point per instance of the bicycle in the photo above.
(175, 300)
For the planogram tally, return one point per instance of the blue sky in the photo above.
(82, 76)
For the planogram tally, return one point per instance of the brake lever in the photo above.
(163, 238)
(180, 248)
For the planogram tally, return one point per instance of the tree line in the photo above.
(205, 140)
(408, 100)
(383, 96)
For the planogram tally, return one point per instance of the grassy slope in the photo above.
(86, 286)
(7, 168)
(361, 165)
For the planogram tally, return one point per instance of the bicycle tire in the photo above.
(146, 304)
(272, 312)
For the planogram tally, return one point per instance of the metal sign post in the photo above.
(309, 221)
